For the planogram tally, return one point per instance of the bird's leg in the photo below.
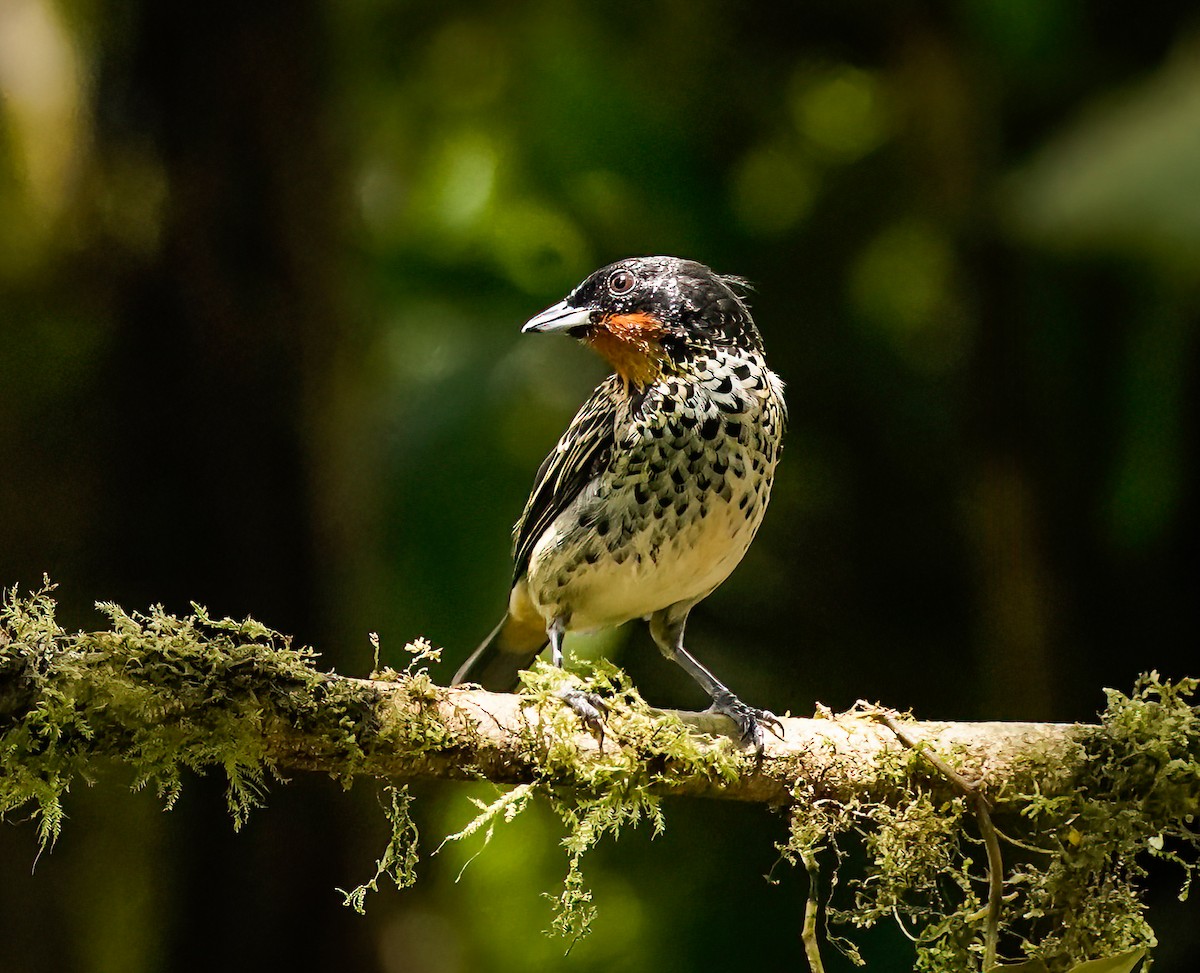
(666, 628)
(555, 634)
(589, 707)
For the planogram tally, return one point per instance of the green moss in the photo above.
(168, 694)
(160, 693)
(1075, 856)
(1133, 798)
(605, 796)
(399, 860)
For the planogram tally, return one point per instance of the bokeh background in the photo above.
(262, 270)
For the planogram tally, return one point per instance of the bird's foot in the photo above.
(750, 721)
(590, 708)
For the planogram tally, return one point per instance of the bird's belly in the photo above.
(594, 581)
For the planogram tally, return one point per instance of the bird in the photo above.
(655, 490)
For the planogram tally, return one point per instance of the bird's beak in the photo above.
(561, 317)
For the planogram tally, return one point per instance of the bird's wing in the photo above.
(584, 450)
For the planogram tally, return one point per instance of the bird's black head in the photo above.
(643, 311)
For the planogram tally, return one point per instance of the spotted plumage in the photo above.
(657, 487)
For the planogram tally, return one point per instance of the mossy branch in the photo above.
(1080, 807)
(162, 693)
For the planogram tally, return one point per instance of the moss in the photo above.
(606, 796)
(399, 860)
(169, 694)
(1076, 854)
(162, 694)
(1134, 797)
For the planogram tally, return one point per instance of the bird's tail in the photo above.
(512, 646)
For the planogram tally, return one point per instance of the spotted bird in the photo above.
(657, 487)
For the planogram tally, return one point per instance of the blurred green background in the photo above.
(262, 270)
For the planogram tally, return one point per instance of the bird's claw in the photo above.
(590, 708)
(749, 721)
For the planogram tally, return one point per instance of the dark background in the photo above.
(262, 270)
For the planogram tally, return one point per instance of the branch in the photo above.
(502, 737)
(160, 692)
(163, 694)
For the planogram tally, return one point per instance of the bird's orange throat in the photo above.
(632, 344)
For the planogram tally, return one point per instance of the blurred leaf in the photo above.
(40, 77)
(1124, 177)
(540, 249)
(841, 111)
(1029, 966)
(772, 190)
(1119, 963)
(903, 285)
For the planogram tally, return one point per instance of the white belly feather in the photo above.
(658, 566)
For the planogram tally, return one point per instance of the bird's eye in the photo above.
(620, 282)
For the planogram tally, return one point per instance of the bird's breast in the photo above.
(675, 509)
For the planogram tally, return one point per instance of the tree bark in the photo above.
(839, 756)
